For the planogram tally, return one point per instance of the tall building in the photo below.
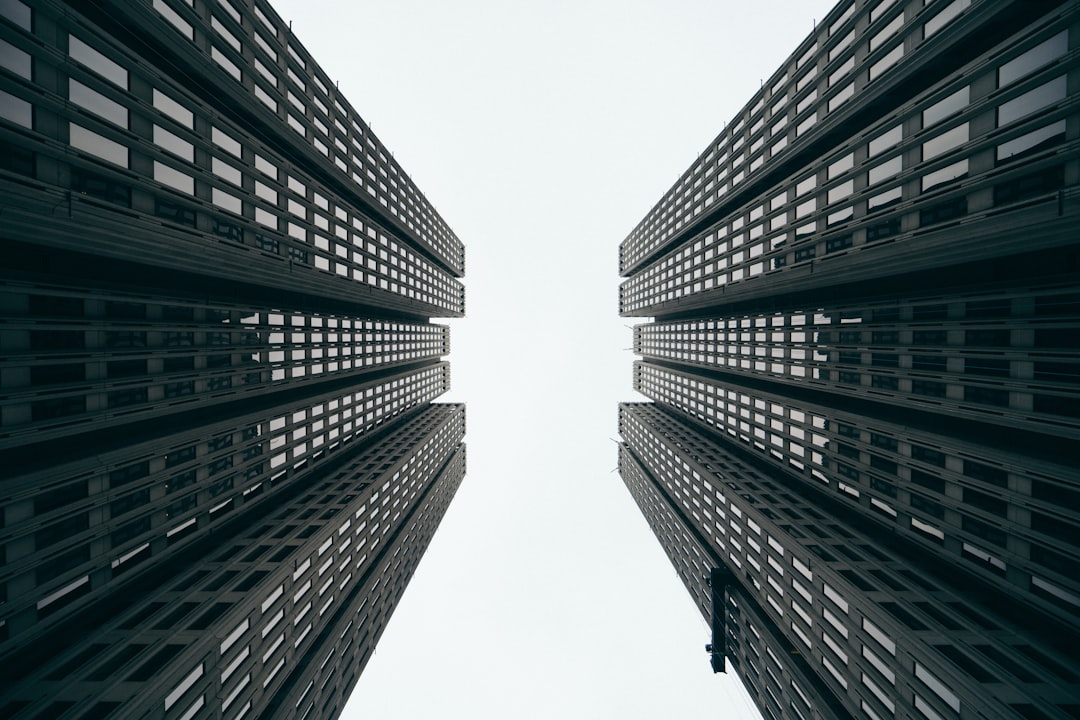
(861, 450)
(219, 454)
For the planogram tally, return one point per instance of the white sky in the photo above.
(543, 132)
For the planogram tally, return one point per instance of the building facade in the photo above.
(220, 457)
(860, 454)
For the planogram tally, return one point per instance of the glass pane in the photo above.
(96, 61)
(90, 99)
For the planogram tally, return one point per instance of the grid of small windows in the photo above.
(231, 622)
(883, 470)
(293, 88)
(859, 193)
(163, 354)
(797, 98)
(1003, 359)
(282, 210)
(170, 495)
(816, 574)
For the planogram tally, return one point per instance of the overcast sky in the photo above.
(543, 132)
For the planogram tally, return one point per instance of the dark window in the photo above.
(298, 256)
(266, 243)
(885, 360)
(57, 374)
(179, 389)
(902, 615)
(16, 159)
(178, 339)
(879, 463)
(806, 253)
(57, 340)
(989, 503)
(883, 230)
(149, 668)
(885, 488)
(60, 497)
(928, 481)
(883, 441)
(126, 503)
(62, 530)
(929, 363)
(930, 389)
(219, 465)
(229, 231)
(992, 475)
(986, 396)
(943, 212)
(130, 530)
(887, 314)
(885, 382)
(180, 481)
(100, 188)
(1057, 305)
(988, 338)
(178, 364)
(124, 475)
(126, 368)
(123, 398)
(1055, 561)
(59, 564)
(929, 337)
(1057, 372)
(1057, 405)
(984, 530)
(1029, 186)
(926, 455)
(885, 337)
(992, 367)
(849, 358)
(927, 506)
(930, 312)
(847, 430)
(837, 244)
(847, 450)
(174, 212)
(117, 339)
(967, 664)
(989, 309)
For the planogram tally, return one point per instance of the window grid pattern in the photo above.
(795, 99)
(1002, 360)
(219, 182)
(693, 561)
(862, 193)
(168, 354)
(291, 85)
(376, 515)
(170, 496)
(870, 610)
(902, 478)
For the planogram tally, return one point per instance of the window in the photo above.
(90, 142)
(174, 18)
(15, 60)
(946, 107)
(96, 61)
(1033, 100)
(173, 109)
(1035, 58)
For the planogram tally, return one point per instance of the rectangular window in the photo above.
(1032, 101)
(173, 109)
(1035, 58)
(16, 60)
(945, 142)
(96, 61)
(16, 110)
(174, 19)
(946, 107)
(90, 99)
(90, 142)
(177, 146)
(175, 179)
(225, 63)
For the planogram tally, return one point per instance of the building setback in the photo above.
(221, 462)
(861, 451)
